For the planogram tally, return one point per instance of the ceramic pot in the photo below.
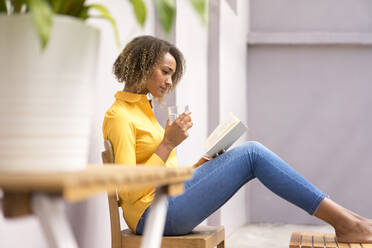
(45, 96)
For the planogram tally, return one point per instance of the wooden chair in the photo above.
(323, 240)
(200, 237)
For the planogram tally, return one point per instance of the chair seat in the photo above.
(201, 236)
(316, 240)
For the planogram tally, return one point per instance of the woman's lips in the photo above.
(163, 89)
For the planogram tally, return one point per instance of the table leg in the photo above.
(51, 213)
(154, 226)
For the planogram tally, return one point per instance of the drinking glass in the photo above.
(172, 114)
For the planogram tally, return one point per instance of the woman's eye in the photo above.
(165, 72)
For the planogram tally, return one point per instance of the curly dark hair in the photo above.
(136, 62)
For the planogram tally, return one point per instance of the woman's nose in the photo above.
(169, 82)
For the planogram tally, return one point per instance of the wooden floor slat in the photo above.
(355, 245)
(343, 245)
(330, 240)
(307, 240)
(295, 241)
(318, 240)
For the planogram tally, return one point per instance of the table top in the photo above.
(79, 185)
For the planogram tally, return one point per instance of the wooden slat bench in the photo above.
(320, 240)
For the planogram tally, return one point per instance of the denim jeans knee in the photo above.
(252, 146)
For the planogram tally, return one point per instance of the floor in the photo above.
(269, 235)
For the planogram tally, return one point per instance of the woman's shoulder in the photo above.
(118, 112)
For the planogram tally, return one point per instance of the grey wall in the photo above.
(311, 103)
(311, 15)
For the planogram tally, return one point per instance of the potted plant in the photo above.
(47, 66)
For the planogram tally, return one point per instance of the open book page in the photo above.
(222, 130)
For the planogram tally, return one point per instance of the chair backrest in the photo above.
(114, 204)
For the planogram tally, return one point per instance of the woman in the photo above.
(150, 65)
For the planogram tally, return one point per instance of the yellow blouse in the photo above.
(135, 134)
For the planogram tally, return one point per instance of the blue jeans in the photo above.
(216, 181)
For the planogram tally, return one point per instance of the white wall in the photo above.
(214, 84)
(233, 29)
(27, 228)
(191, 39)
(90, 219)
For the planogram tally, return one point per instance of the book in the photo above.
(224, 135)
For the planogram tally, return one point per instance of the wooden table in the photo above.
(43, 194)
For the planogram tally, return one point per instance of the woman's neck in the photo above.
(143, 92)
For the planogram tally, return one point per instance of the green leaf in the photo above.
(2, 6)
(84, 13)
(106, 15)
(139, 9)
(42, 18)
(17, 5)
(165, 10)
(76, 7)
(66, 8)
(57, 5)
(199, 6)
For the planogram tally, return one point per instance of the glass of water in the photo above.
(172, 114)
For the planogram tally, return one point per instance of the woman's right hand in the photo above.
(174, 134)
(178, 131)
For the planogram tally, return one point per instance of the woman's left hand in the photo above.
(202, 160)
(206, 158)
(219, 153)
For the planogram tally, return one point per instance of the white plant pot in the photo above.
(45, 97)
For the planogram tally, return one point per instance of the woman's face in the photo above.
(160, 80)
